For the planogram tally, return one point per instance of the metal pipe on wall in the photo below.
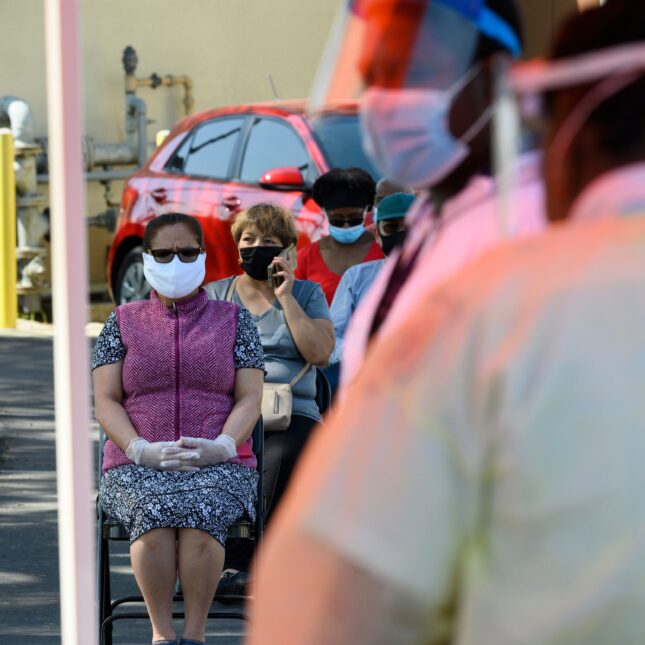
(141, 120)
(170, 81)
(135, 149)
(18, 113)
(31, 224)
(130, 61)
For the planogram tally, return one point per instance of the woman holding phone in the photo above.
(295, 328)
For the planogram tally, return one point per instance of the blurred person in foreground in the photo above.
(426, 117)
(389, 229)
(485, 484)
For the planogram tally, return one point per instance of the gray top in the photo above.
(282, 359)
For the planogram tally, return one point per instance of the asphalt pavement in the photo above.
(29, 591)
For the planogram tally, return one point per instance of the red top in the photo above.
(311, 266)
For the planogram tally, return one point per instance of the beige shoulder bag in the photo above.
(277, 398)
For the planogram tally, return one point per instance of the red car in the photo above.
(216, 163)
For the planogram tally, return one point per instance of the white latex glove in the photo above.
(162, 455)
(211, 451)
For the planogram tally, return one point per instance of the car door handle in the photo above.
(231, 203)
(159, 194)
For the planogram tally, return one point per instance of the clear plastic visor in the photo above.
(394, 44)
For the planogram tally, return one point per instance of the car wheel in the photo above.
(130, 282)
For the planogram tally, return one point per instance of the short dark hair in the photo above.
(618, 121)
(341, 187)
(510, 13)
(168, 219)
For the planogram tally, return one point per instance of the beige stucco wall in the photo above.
(228, 47)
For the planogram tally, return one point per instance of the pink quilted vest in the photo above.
(178, 371)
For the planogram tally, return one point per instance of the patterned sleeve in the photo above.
(248, 346)
(109, 348)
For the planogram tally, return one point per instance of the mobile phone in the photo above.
(289, 254)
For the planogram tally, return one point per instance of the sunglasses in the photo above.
(391, 226)
(342, 222)
(187, 254)
(353, 219)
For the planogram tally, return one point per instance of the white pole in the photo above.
(506, 145)
(69, 272)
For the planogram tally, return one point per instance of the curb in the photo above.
(32, 329)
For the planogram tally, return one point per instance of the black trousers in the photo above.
(281, 452)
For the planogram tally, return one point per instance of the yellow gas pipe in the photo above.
(8, 267)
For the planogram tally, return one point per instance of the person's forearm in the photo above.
(243, 417)
(313, 342)
(115, 422)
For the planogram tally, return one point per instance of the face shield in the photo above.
(522, 116)
(405, 61)
(397, 44)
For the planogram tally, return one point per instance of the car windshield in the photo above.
(339, 138)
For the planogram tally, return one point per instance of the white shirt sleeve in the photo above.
(342, 308)
(357, 334)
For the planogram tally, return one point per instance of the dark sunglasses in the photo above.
(163, 256)
(341, 222)
(391, 226)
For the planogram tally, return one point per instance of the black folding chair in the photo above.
(109, 529)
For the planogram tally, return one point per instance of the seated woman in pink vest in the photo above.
(177, 389)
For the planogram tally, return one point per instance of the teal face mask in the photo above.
(347, 235)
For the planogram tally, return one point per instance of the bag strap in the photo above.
(296, 379)
(231, 289)
(229, 296)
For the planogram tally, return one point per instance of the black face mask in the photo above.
(256, 260)
(390, 242)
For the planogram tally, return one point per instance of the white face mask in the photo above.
(175, 279)
(407, 134)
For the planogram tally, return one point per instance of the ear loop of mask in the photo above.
(586, 106)
(476, 127)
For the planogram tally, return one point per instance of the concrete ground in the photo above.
(29, 595)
